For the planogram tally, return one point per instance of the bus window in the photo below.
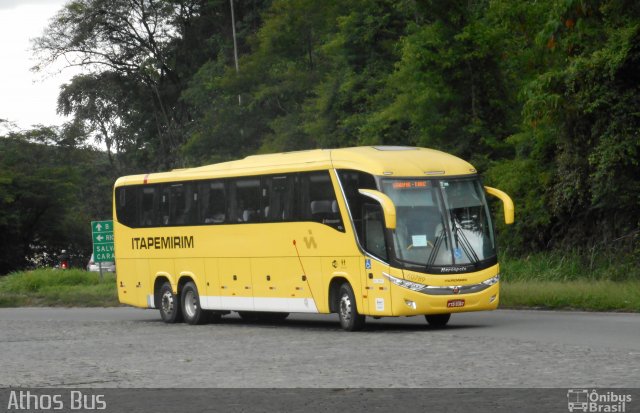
(181, 204)
(213, 202)
(247, 197)
(320, 197)
(277, 198)
(165, 196)
(352, 181)
(147, 206)
(126, 205)
(373, 229)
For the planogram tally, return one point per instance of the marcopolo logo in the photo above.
(583, 400)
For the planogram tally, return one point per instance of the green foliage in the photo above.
(49, 192)
(310, 80)
(582, 112)
(596, 264)
(448, 85)
(542, 97)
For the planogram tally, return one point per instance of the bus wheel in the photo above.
(191, 310)
(438, 320)
(170, 310)
(350, 319)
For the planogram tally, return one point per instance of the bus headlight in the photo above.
(492, 280)
(404, 283)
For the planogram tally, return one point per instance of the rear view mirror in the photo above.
(507, 203)
(388, 208)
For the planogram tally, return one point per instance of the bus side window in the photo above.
(147, 206)
(176, 205)
(322, 203)
(247, 197)
(164, 211)
(127, 205)
(213, 202)
(277, 194)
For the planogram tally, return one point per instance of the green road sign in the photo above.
(102, 233)
(100, 238)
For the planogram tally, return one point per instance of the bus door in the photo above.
(374, 266)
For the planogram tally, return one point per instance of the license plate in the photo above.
(455, 303)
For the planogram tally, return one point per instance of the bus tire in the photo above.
(350, 319)
(170, 309)
(438, 320)
(191, 311)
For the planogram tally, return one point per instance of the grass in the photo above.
(68, 288)
(573, 280)
(603, 295)
(591, 280)
(571, 266)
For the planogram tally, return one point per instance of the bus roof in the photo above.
(400, 161)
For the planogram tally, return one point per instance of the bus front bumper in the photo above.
(407, 302)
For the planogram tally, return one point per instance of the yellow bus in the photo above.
(380, 231)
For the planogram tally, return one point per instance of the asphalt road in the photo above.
(126, 347)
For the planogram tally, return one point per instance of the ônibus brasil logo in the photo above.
(583, 400)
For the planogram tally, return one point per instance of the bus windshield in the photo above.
(443, 222)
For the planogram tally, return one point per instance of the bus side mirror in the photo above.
(507, 203)
(388, 208)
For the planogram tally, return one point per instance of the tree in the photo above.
(106, 107)
(145, 42)
(448, 90)
(581, 120)
(49, 192)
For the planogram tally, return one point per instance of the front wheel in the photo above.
(350, 319)
(170, 310)
(438, 320)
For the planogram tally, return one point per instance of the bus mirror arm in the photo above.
(388, 209)
(507, 203)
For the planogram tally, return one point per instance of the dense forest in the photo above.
(542, 97)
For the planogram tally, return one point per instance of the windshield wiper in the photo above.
(464, 242)
(436, 247)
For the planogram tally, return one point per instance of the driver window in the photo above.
(373, 228)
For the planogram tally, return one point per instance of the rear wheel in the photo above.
(438, 320)
(170, 310)
(350, 319)
(191, 310)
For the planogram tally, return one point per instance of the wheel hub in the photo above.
(190, 304)
(167, 302)
(345, 308)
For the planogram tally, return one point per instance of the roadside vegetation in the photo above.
(68, 288)
(593, 280)
(541, 97)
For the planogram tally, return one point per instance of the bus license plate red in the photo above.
(455, 303)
